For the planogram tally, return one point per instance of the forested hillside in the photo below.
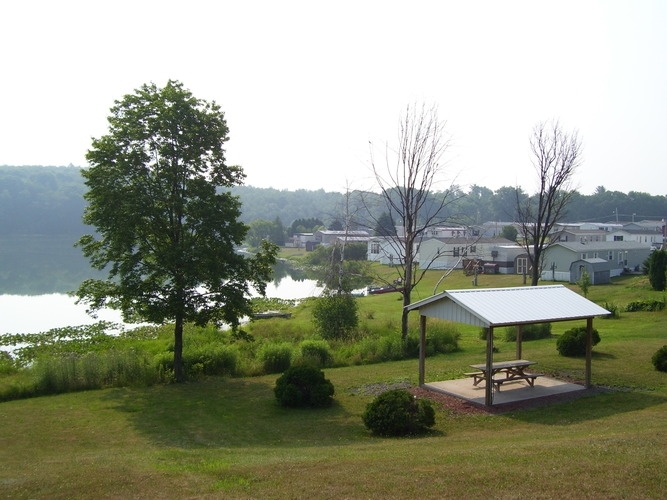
(49, 201)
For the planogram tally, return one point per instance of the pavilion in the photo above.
(492, 308)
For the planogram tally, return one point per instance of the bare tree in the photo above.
(408, 188)
(556, 155)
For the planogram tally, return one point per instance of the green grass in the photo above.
(228, 438)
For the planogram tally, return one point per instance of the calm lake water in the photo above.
(40, 313)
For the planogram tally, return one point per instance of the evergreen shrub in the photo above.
(659, 359)
(303, 385)
(398, 413)
(573, 342)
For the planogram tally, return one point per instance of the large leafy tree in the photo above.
(167, 226)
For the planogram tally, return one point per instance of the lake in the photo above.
(40, 313)
(37, 272)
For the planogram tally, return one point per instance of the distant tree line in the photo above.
(49, 200)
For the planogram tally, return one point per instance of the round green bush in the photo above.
(398, 413)
(659, 359)
(573, 342)
(303, 385)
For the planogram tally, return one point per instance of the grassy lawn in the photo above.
(228, 438)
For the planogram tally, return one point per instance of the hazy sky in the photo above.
(306, 85)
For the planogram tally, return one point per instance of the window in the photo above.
(618, 237)
(522, 265)
(375, 247)
(456, 251)
(611, 255)
(473, 249)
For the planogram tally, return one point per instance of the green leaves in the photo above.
(167, 230)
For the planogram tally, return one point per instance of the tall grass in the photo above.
(94, 370)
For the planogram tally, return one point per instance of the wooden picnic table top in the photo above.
(516, 363)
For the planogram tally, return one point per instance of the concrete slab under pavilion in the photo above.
(511, 392)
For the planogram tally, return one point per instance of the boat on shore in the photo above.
(271, 314)
(376, 290)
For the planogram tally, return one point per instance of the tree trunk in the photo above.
(179, 376)
(407, 295)
(535, 271)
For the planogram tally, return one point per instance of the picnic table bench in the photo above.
(505, 371)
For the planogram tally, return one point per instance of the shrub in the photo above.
(659, 359)
(441, 337)
(613, 309)
(398, 413)
(657, 267)
(528, 332)
(276, 358)
(7, 364)
(336, 316)
(573, 341)
(210, 359)
(303, 385)
(316, 352)
(645, 305)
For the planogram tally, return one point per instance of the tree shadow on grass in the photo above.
(223, 412)
(582, 406)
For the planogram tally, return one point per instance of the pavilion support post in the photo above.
(489, 365)
(589, 351)
(422, 349)
(519, 339)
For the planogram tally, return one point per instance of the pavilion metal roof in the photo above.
(491, 307)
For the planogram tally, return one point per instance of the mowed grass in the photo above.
(228, 438)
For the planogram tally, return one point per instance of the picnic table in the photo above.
(505, 371)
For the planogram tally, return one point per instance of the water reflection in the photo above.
(37, 273)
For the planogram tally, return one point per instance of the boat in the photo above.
(376, 290)
(271, 314)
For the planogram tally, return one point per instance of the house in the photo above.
(651, 235)
(386, 250)
(301, 240)
(451, 253)
(326, 237)
(580, 235)
(449, 232)
(492, 229)
(623, 256)
(598, 270)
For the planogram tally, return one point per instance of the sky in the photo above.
(308, 88)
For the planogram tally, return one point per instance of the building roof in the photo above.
(576, 246)
(468, 241)
(492, 307)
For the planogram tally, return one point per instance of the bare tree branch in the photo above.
(556, 155)
(408, 182)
